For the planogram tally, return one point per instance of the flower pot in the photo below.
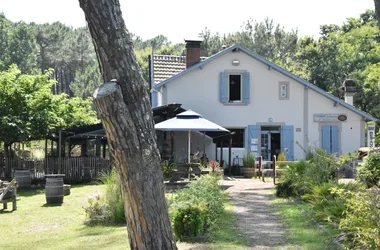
(248, 172)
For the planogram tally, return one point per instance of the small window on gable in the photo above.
(283, 90)
(235, 88)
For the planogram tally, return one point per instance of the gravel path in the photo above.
(257, 220)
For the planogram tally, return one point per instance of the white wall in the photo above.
(351, 129)
(199, 91)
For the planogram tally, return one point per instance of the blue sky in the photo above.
(185, 19)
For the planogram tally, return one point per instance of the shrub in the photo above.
(303, 175)
(361, 223)
(187, 222)
(285, 189)
(328, 203)
(249, 161)
(95, 210)
(108, 208)
(203, 195)
(292, 182)
(369, 172)
(281, 157)
(113, 197)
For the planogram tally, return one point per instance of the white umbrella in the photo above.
(188, 121)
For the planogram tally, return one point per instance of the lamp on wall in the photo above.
(235, 62)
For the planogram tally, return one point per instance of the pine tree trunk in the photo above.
(377, 11)
(124, 109)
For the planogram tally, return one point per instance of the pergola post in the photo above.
(229, 156)
(221, 154)
(104, 148)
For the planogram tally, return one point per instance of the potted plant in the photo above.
(249, 163)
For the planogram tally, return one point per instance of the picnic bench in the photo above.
(8, 193)
(186, 170)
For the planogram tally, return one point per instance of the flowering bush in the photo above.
(214, 165)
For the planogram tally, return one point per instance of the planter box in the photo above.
(248, 172)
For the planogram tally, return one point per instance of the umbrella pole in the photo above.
(188, 153)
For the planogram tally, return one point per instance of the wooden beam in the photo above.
(274, 169)
(229, 156)
(221, 154)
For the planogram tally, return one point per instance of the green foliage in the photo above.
(108, 208)
(281, 157)
(249, 161)
(187, 222)
(30, 111)
(361, 223)
(302, 176)
(285, 189)
(167, 169)
(266, 38)
(328, 206)
(369, 172)
(202, 202)
(95, 210)
(113, 197)
(86, 81)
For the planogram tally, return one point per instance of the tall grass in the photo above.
(107, 208)
(113, 197)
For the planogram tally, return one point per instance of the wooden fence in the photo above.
(75, 169)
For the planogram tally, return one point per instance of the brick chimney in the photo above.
(193, 52)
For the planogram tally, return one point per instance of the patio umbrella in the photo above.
(189, 121)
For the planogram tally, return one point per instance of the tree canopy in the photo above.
(29, 110)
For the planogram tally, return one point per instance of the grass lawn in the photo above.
(301, 231)
(36, 225)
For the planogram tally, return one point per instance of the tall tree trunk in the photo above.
(126, 114)
(377, 11)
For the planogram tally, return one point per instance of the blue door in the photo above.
(330, 139)
(287, 145)
(253, 133)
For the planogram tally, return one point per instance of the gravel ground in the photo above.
(257, 220)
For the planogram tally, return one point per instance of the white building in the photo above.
(269, 109)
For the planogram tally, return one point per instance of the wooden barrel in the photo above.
(54, 190)
(23, 178)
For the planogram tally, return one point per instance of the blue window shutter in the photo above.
(246, 87)
(223, 87)
(288, 142)
(154, 99)
(334, 140)
(326, 139)
(254, 132)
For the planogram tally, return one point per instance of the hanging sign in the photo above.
(371, 135)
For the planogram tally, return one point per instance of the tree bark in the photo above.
(124, 109)
(377, 11)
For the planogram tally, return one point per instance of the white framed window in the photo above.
(235, 88)
(283, 90)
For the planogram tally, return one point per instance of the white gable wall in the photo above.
(199, 90)
(352, 130)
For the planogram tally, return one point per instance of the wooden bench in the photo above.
(186, 170)
(9, 194)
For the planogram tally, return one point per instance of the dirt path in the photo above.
(257, 220)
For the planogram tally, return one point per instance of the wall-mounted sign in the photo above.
(324, 117)
(371, 135)
(298, 129)
(254, 141)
